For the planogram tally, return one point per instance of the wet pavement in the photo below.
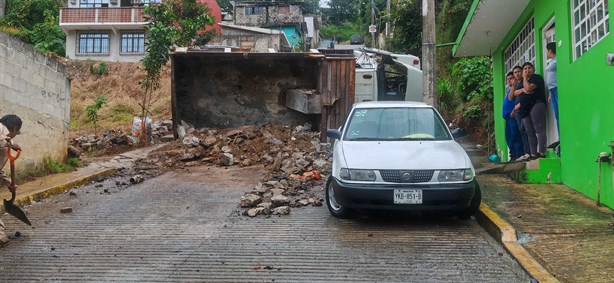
(186, 226)
(563, 230)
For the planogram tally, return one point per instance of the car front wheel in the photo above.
(334, 207)
(474, 207)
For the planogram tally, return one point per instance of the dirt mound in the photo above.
(118, 82)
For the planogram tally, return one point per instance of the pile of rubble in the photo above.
(295, 158)
(115, 140)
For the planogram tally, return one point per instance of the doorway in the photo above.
(549, 35)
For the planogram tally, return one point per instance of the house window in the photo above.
(522, 48)
(93, 3)
(590, 20)
(255, 10)
(132, 42)
(283, 9)
(94, 43)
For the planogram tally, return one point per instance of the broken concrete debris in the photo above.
(295, 158)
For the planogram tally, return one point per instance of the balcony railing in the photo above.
(102, 15)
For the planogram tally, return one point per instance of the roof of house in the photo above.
(486, 25)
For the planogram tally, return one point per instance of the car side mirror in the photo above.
(333, 134)
(459, 133)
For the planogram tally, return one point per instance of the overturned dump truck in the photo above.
(216, 89)
(382, 75)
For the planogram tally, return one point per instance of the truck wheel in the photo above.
(474, 207)
(336, 209)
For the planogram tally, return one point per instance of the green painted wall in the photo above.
(293, 35)
(586, 95)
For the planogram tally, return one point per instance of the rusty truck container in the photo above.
(232, 89)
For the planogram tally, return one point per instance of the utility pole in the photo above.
(428, 52)
(387, 31)
(372, 27)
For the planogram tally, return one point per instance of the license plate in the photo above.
(407, 196)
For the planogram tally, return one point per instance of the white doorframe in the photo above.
(548, 35)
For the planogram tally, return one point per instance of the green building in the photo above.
(517, 31)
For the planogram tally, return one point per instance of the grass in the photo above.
(50, 166)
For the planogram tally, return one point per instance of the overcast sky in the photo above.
(324, 3)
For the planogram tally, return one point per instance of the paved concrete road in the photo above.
(185, 226)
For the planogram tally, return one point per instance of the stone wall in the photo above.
(34, 87)
(291, 14)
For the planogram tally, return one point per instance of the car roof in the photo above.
(389, 104)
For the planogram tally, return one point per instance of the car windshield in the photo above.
(403, 123)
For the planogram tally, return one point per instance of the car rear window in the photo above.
(402, 123)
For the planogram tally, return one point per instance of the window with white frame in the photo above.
(522, 48)
(93, 3)
(132, 42)
(590, 20)
(94, 43)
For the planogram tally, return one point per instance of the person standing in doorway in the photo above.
(551, 82)
(512, 132)
(516, 90)
(533, 110)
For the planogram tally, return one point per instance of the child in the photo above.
(10, 126)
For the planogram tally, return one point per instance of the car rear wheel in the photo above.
(474, 207)
(334, 207)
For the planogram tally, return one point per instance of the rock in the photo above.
(233, 133)
(266, 208)
(209, 141)
(180, 132)
(255, 211)
(66, 209)
(226, 159)
(226, 149)
(136, 179)
(304, 202)
(320, 164)
(250, 200)
(282, 210)
(73, 152)
(168, 138)
(72, 193)
(270, 183)
(190, 140)
(280, 200)
(277, 192)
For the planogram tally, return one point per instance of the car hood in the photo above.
(405, 155)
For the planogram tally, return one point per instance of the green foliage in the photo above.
(343, 32)
(92, 110)
(98, 69)
(472, 112)
(47, 36)
(475, 78)
(53, 166)
(341, 11)
(171, 23)
(74, 162)
(36, 23)
(407, 19)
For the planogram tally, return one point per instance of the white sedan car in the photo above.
(399, 155)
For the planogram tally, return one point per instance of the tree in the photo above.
(172, 23)
(36, 22)
(341, 11)
(92, 111)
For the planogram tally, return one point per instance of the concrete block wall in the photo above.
(35, 88)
